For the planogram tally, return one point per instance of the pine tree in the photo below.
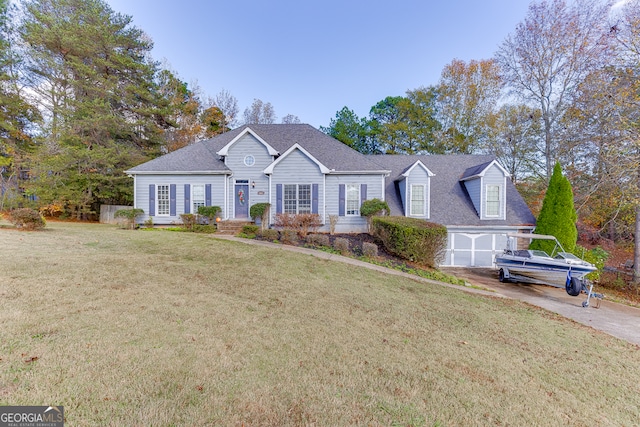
(558, 216)
(92, 72)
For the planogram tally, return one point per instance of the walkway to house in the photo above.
(618, 320)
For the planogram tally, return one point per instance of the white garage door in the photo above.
(474, 249)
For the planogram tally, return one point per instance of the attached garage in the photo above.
(473, 249)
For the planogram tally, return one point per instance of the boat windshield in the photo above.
(567, 255)
(540, 254)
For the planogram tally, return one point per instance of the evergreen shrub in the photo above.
(269, 234)
(129, 215)
(369, 250)
(341, 245)
(209, 212)
(27, 219)
(412, 239)
(189, 220)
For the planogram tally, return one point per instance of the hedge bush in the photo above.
(412, 239)
(189, 220)
(269, 234)
(129, 215)
(261, 211)
(27, 219)
(302, 224)
(318, 240)
(209, 212)
(249, 231)
(341, 245)
(369, 250)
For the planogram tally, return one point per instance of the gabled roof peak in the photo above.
(296, 146)
(417, 163)
(479, 170)
(247, 131)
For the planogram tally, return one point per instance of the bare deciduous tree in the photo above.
(260, 113)
(549, 54)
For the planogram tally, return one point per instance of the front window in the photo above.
(493, 200)
(417, 200)
(353, 199)
(297, 198)
(163, 200)
(197, 196)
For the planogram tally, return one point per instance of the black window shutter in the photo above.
(207, 194)
(172, 199)
(187, 198)
(278, 198)
(152, 199)
(314, 198)
(341, 200)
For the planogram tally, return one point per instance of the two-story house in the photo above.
(299, 169)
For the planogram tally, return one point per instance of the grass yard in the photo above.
(179, 329)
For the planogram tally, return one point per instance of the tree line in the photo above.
(82, 100)
(563, 87)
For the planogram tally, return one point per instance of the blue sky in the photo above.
(311, 58)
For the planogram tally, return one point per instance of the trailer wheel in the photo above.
(574, 287)
(501, 276)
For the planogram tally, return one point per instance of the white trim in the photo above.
(483, 171)
(296, 146)
(418, 163)
(225, 150)
(346, 198)
(272, 209)
(135, 193)
(486, 201)
(204, 195)
(157, 189)
(324, 199)
(180, 173)
(383, 172)
(424, 201)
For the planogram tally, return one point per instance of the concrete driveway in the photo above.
(615, 319)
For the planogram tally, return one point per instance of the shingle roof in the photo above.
(450, 204)
(202, 156)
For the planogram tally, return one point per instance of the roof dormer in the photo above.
(486, 185)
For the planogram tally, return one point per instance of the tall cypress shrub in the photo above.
(558, 216)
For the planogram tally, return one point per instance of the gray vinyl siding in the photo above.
(421, 177)
(142, 193)
(297, 168)
(402, 187)
(347, 224)
(248, 145)
(493, 176)
(473, 188)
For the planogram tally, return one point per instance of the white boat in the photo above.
(560, 269)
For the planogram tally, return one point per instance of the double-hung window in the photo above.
(197, 197)
(493, 200)
(297, 198)
(353, 199)
(163, 200)
(417, 200)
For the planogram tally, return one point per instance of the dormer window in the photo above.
(418, 198)
(493, 200)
